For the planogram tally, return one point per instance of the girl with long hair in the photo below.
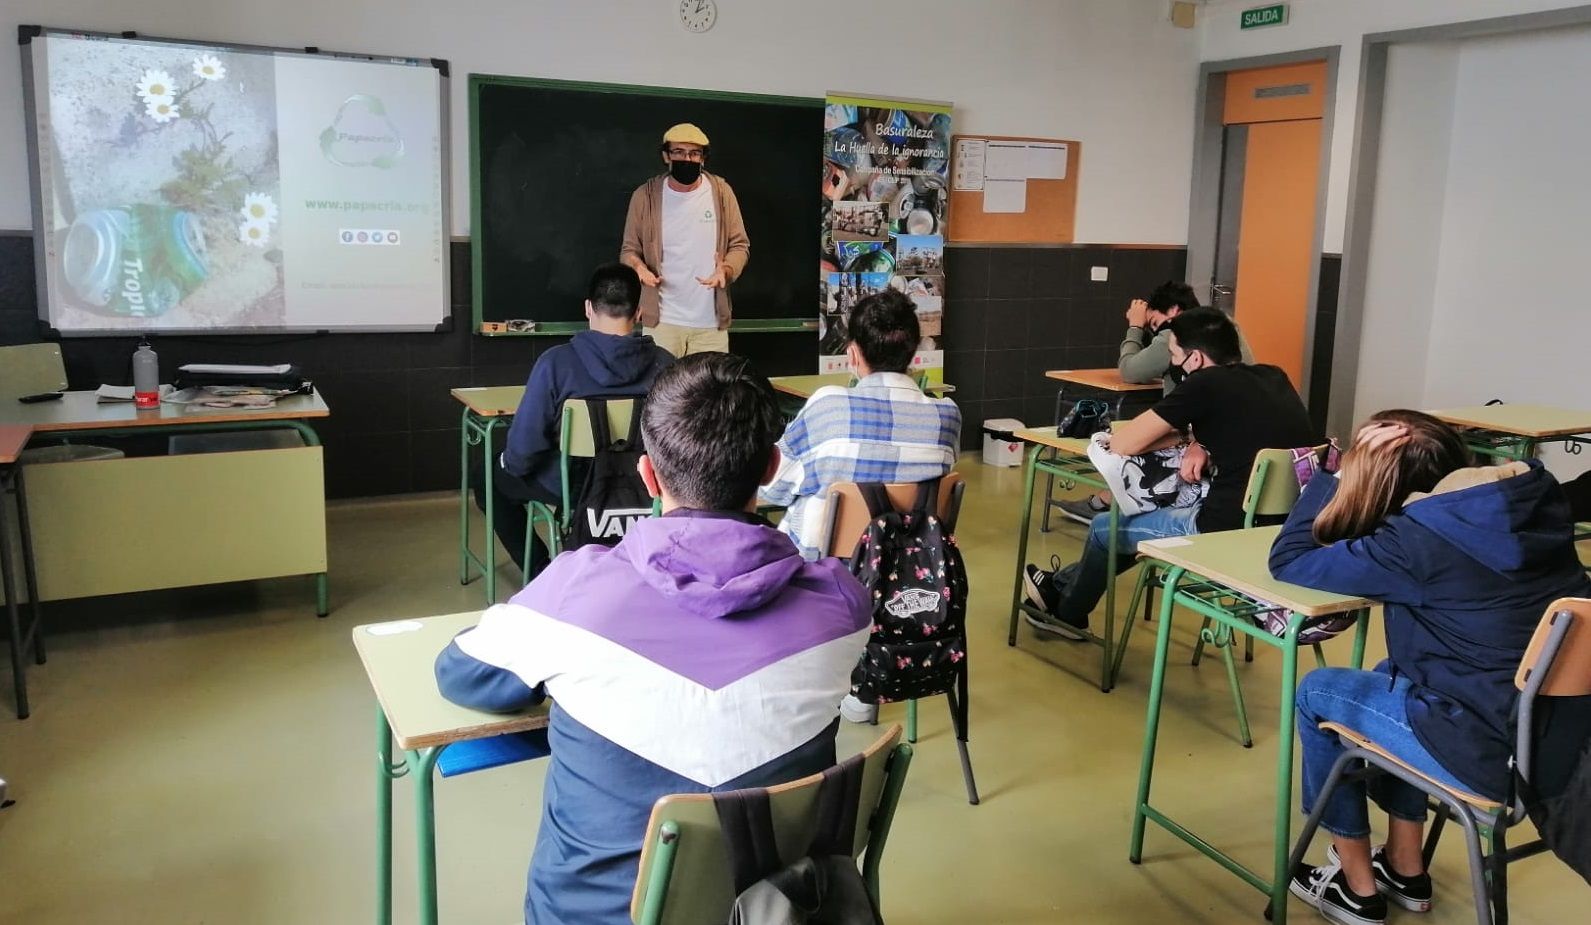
(1464, 559)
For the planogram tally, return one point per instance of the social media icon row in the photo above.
(367, 236)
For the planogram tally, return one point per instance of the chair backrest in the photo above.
(848, 514)
(1272, 485)
(28, 369)
(1557, 663)
(700, 886)
(576, 434)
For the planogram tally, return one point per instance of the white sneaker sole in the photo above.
(1056, 629)
(1031, 589)
(1330, 912)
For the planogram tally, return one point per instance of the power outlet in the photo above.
(1099, 274)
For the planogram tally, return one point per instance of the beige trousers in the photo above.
(682, 341)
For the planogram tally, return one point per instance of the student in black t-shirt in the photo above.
(1232, 410)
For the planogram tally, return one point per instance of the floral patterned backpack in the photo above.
(910, 565)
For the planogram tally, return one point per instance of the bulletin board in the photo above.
(1030, 184)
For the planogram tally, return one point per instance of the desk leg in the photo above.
(1049, 478)
(322, 595)
(1157, 685)
(385, 772)
(30, 574)
(422, 763)
(1282, 844)
(1022, 541)
(489, 549)
(1106, 681)
(464, 498)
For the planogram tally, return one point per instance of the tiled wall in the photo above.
(1015, 312)
(1011, 314)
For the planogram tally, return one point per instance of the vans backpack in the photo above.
(612, 496)
(914, 574)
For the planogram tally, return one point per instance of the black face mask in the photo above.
(685, 172)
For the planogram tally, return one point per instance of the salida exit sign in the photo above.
(1273, 15)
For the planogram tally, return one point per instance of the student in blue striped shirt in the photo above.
(883, 429)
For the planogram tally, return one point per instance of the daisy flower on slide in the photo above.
(258, 207)
(209, 67)
(162, 110)
(254, 234)
(156, 87)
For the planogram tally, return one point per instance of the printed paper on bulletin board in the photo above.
(1049, 206)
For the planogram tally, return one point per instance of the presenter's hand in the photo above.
(1137, 313)
(718, 280)
(1194, 461)
(648, 278)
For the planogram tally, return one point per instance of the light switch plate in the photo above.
(1099, 274)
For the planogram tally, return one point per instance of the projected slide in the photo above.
(191, 187)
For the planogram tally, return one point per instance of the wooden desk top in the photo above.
(400, 665)
(1045, 436)
(13, 437)
(83, 411)
(1521, 420)
(804, 386)
(1108, 379)
(491, 401)
(1238, 559)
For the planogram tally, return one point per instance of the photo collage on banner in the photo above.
(885, 198)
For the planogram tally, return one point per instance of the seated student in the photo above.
(1236, 409)
(1465, 561)
(1145, 357)
(883, 429)
(699, 654)
(607, 361)
(1579, 491)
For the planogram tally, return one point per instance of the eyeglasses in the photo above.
(686, 154)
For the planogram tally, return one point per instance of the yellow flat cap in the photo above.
(686, 133)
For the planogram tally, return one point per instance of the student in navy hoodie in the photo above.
(1465, 561)
(608, 361)
(701, 653)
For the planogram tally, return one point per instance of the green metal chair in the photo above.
(574, 442)
(1272, 491)
(685, 876)
(1557, 663)
(31, 369)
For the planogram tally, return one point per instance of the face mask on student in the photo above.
(1180, 371)
(685, 172)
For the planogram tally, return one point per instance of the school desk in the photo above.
(486, 411)
(1508, 431)
(13, 437)
(399, 659)
(1066, 460)
(112, 526)
(1224, 576)
(1107, 380)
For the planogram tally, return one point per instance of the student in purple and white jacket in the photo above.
(701, 653)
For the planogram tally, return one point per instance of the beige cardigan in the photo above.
(643, 241)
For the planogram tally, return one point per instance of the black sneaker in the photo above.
(1039, 585)
(1326, 888)
(1059, 626)
(1411, 893)
(1083, 510)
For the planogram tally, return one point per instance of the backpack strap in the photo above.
(878, 503)
(838, 799)
(597, 413)
(638, 404)
(927, 498)
(746, 821)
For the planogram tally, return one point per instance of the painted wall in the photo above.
(1113, 74)
(1319, 23)
(1479, 239)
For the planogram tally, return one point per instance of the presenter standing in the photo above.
(684, 237)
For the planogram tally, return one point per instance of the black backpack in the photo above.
(612, 496)
(914, 572)
(823, 887)
(1088, 417)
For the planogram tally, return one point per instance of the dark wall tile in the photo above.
(964, 369)
(1038, 410)
(18, 292)
(966, 323)
(1003, 373)
(1041, 360)
(434, 459)
(1010, 272)
(1049, 324)
(376, 464)
(967, 272)
(1052, 271)
(431, 404)
(1006, 324)
(368, 401)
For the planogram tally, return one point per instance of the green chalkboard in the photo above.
(553, 164)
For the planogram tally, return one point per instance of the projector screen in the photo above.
(185, 187)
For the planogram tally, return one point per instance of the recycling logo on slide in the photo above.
(362, 135)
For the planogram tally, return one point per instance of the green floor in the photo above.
(206, 757)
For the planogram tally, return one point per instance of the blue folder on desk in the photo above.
(480, 754)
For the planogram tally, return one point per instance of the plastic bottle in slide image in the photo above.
(137, 262)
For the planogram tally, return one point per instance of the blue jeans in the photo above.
(1372, 703)
(1088, 582)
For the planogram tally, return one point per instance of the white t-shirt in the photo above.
(690, 251)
